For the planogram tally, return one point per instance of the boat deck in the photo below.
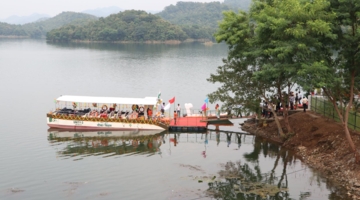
(188, 124)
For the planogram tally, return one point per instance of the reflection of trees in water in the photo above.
(246, 181)
(243, 182)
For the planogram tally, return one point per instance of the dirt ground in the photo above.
(321, 144)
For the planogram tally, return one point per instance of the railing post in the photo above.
(315, 105)
(355, 121)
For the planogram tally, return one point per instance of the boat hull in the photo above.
(99, 125)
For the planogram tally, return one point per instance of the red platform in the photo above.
(188, 122)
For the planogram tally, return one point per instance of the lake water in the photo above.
(38, 164)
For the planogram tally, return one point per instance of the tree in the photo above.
(267, 48)
(337, 71)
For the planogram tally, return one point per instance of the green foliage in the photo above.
(198, 20)
(268, 47)
(338, 60)
(238, 4)
(125, 26)
(11, 30)
(194, 13)
(39, 29)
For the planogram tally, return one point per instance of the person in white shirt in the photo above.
(162, 109)
(304, 102)
(178, 109)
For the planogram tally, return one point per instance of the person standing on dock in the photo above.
(175, 116)
(217, 111)
(178, 109)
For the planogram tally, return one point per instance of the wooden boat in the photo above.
(105, 113)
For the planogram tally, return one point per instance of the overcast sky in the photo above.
(54, 7)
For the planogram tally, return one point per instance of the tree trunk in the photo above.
(280, 131)
(344, 121)
(286, 113)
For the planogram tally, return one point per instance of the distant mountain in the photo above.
(24, 19)
(198, 20)
(42, 19)
(130, 25)
(40, 28)
(194, 13)
(103, 12)
(153, 11)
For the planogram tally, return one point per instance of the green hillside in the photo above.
(238, 4)
(199, 20)
(12, 30)
(40, 28)
(194, 13)
(129, 25)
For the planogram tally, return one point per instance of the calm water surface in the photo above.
(37, 163)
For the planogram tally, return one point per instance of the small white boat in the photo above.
(105, 113)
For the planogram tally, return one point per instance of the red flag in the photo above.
(171, 101)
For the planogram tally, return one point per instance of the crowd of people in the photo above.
(293, 102)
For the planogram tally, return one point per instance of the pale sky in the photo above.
(54, 7)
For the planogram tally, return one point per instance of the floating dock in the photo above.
(197, 124)
(189, 124)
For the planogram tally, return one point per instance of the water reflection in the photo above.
(112, 143)
(258, 169)
(248, 180)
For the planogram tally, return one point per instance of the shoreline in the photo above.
(321, 144)
(206, 42)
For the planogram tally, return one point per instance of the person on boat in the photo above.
(162, 109)
(149, 113)
(141, 112)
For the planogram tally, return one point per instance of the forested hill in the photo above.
(129, 25)
(194, 13)
(200, 20)
(238, 4)
(40, 28)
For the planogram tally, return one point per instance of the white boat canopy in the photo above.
(109, 100)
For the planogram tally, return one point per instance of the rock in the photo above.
(352, 160)
(301, 148)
